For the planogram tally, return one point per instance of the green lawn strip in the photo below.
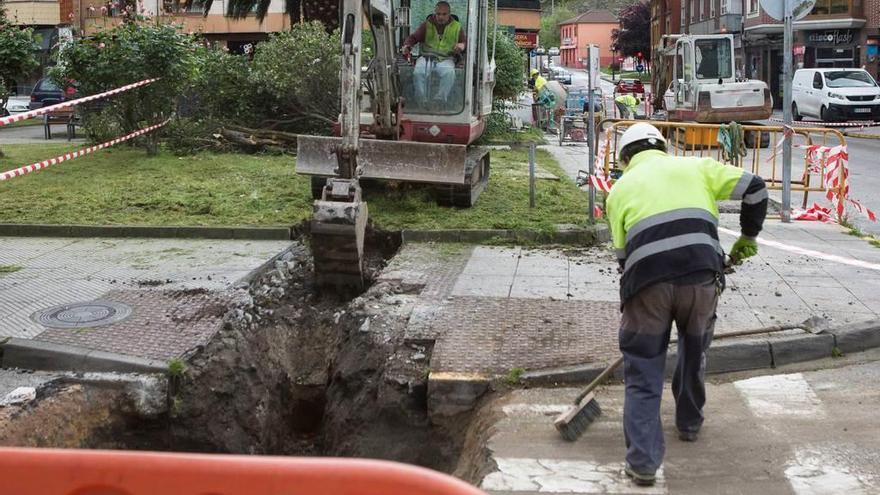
(525, 136)
(503, 205)
(24, 123)
(124, 186)
(5, 269)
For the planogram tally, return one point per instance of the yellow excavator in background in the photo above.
(387, 132)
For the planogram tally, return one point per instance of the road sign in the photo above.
(593, 65)
(640, 68)
(776, 8)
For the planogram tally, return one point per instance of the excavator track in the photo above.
(476, 179)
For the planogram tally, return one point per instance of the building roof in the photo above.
(593, 17)
(520, 4)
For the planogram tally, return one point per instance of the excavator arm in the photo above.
(339, 218)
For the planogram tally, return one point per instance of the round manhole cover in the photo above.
(82, 315)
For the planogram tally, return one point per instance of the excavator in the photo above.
(388, 130)
(704, 86)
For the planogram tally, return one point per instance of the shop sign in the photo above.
(525, 40)
(831, 37)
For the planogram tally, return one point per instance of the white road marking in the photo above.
(535, 409)
(780, 396)
(809, 252)
(814, 472)
(564, 476)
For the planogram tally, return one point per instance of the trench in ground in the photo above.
(298, 374)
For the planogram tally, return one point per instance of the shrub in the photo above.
(299, 73)
(221, 86)
(124, 54)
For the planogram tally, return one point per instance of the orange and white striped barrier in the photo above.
(18, 172)
(95, 472)
(72, 103)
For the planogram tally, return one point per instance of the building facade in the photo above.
(836, 33)
(523, 19)
(590, 28)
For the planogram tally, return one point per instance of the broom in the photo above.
(574, 422)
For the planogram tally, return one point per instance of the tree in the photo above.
(510, 62)
(634, 36)
(299, 70)
(324, 11)
(127, 53)
(549, 33)
(18, 49)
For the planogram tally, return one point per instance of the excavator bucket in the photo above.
(388, 160)
(338, 228)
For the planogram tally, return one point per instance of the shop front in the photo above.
(835, 48)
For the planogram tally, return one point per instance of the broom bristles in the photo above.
(574, 422)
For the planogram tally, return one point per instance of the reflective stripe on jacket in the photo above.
(664, 217)
(442, 45)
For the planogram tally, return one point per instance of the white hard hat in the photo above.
(640, 132)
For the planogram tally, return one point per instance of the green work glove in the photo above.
(744, 247)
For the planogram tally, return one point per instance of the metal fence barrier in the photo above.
(763, 150)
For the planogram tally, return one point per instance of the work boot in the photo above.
(640, 479)
(688, 436)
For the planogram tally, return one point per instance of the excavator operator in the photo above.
(442, 40)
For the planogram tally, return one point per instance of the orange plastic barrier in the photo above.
(104, 472)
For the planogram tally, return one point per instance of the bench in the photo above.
(67, 116)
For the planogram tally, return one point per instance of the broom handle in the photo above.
(741, 333)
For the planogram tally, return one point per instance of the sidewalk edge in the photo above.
(47, 356)
(146, 231)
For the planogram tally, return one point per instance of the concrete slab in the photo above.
(540, 288)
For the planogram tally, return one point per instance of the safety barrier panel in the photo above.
(824, 157)
(95, 472)
(859, 124)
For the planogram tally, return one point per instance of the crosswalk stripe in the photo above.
(815, 472)
(780, 396)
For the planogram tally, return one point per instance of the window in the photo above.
(825, 7)
(183, 6)
(712, 9)
(693, 10)
(724, 6)
(704, 9)
(817, 81)
(713, 59)
(849, 79)
(683, 16)
(753, 6)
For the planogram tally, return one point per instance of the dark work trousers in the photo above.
(644, 336)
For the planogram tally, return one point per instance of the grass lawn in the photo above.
(123, 186)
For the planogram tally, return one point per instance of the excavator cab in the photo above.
(704, 85)
(403, 118)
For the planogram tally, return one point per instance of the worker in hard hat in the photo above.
(536, 80)
(626, 105)
(664, 225)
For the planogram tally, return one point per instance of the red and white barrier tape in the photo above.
(18, 172)
(831, 163)
(72, 103)
(867, 123)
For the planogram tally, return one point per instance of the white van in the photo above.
(835, 94)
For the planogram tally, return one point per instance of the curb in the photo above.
(46, 356)
(590, 235)
(862, 135)
(745, 354)
(146, 231)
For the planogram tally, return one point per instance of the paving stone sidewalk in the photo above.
(489, 310)
(177, 291)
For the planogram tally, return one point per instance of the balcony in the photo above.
(33, 13)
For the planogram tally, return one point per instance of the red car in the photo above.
(629, 86)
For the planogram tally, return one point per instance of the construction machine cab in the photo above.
(704, 85)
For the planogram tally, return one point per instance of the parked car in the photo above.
(629, 86)
(832, 95)
(561, 75)
(45, 93)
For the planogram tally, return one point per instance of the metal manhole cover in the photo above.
(82, 314)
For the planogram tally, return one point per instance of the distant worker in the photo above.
(664, 226)
(626, 105)
(536, 80)
(442, 39)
